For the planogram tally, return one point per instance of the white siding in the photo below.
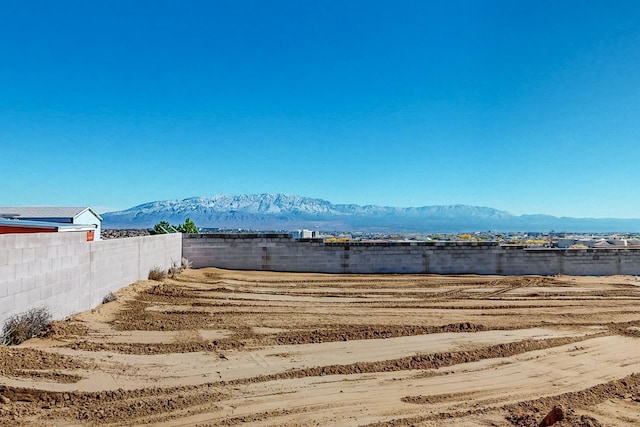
(87, 217)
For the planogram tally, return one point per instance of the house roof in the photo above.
(45, 211)
(21, 223)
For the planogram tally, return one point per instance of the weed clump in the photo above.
(109, 298)
(157, 273)
(178, 267)
(21, 327)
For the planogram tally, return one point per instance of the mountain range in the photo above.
(288, 212)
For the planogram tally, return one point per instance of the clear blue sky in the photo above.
(525, 106)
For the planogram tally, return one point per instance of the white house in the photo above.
(55, 214)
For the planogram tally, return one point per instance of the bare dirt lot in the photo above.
(220, 348)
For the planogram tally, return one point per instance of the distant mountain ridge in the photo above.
(289, 212)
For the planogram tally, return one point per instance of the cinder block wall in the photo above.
(67, 274)
(280, 252)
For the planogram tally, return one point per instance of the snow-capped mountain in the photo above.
(288, 212)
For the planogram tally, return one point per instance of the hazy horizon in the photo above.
(317, 198)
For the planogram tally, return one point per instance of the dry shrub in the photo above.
(178, 267)
(21, 327)
(157, 273)
(175, 269)
(109, 298)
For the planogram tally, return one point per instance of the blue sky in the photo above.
(524, 106)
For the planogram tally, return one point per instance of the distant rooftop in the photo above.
(21, 223)
(44, 211)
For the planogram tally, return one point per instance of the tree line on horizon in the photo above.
(188, 227)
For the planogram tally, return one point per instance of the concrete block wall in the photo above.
(280, 252)
(462, 258)
(513, 260)
(283, 253)
(67, 274)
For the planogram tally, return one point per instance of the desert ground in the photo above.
(214, 347)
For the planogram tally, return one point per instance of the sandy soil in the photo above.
(220, 348)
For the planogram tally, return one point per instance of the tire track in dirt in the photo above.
(132, 403)
(294, 309)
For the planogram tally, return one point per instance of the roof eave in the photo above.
(90, 209)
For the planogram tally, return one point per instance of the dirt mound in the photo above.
(64, 329)
(626, 388)
(36, 364)
(156, 348)
(169, 291)
(347, 333)
(138, 315)
(112, 406)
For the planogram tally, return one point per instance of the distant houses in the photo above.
(594, 242)
(305, 234)
(50, 219)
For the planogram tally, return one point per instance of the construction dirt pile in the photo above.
(214, 347)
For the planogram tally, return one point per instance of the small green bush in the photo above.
(157, 273)
(21, 327)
